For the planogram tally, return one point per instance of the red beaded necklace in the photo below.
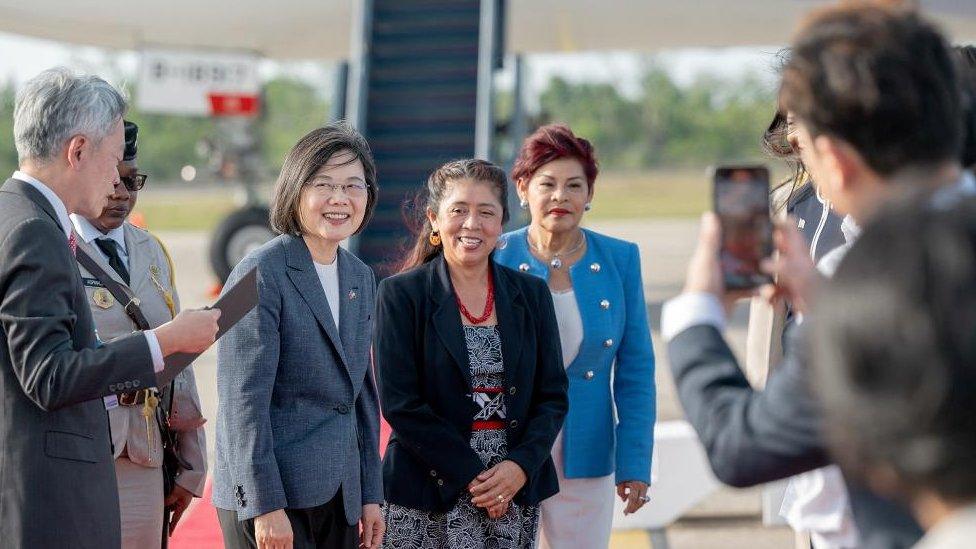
(489, 304)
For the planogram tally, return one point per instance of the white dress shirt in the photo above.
(66, 225)
(957, 531)
(89, 234)
(52, 198)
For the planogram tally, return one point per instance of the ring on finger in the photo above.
(645, 498)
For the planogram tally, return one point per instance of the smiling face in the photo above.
(469, 220)
(557, 194)
(329, 214)
(120, 204)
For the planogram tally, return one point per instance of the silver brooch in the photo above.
(595, 267)
(524, 267)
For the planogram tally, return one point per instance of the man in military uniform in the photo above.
(134, 258)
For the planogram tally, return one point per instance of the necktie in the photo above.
(111, 250)
(73, 244)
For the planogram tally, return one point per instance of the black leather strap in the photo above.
(121, 292)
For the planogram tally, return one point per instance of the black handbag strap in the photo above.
(121, 292)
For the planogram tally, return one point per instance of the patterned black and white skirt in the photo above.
(466, 526)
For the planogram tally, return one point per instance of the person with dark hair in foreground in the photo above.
(877, 94)
(895, 356)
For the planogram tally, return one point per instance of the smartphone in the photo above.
(741, 198)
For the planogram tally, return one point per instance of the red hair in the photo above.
(553, 142)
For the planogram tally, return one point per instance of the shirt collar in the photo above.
(951, 531)
(52, 197)
(850, 229)
(89, 233)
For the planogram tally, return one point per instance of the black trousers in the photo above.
(322, 527)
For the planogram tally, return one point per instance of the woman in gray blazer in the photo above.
(298, 421)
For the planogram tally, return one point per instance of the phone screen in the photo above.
(741, 195)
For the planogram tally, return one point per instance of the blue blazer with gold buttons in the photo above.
(614, 369)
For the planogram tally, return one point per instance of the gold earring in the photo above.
(434, 238)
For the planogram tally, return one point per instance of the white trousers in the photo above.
(580, 516)
(141, 504)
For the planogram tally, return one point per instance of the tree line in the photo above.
(664, 125)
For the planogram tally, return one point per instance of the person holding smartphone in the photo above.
(596, 286)
(864, 152)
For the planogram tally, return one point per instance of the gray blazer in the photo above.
(298, 414)
(57, 476)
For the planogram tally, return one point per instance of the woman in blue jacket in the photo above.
(595, 281)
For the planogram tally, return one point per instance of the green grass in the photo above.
(181, 210)
(656, 193)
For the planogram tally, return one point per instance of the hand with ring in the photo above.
(494, 489)
(634, 493)
(498, 509)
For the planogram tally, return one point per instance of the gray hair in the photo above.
(57, 105)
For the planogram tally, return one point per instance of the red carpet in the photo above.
(199, 528)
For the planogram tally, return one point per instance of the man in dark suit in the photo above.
(57, 479)
(877, 104)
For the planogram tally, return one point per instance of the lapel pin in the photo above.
(353, 294)
(154, 270)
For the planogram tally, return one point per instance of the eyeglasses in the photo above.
(135, 182)
(352, 190)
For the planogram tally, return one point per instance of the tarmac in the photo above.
(729, 518)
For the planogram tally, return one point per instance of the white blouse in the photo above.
(329, 277)
(570, 324)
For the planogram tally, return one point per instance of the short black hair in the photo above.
(895, 350)
(880, 78)
(302, 163)
(967, 76)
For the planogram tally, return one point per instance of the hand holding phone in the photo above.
(741, 198)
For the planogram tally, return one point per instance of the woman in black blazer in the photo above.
(470, 376)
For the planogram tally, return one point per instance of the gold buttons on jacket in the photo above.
(604, 304)
(588, 375)
(595, 267)
(524, 267)
(608, 343)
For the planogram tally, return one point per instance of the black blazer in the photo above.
(57, 474)
(753, 437)
(425, 385)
